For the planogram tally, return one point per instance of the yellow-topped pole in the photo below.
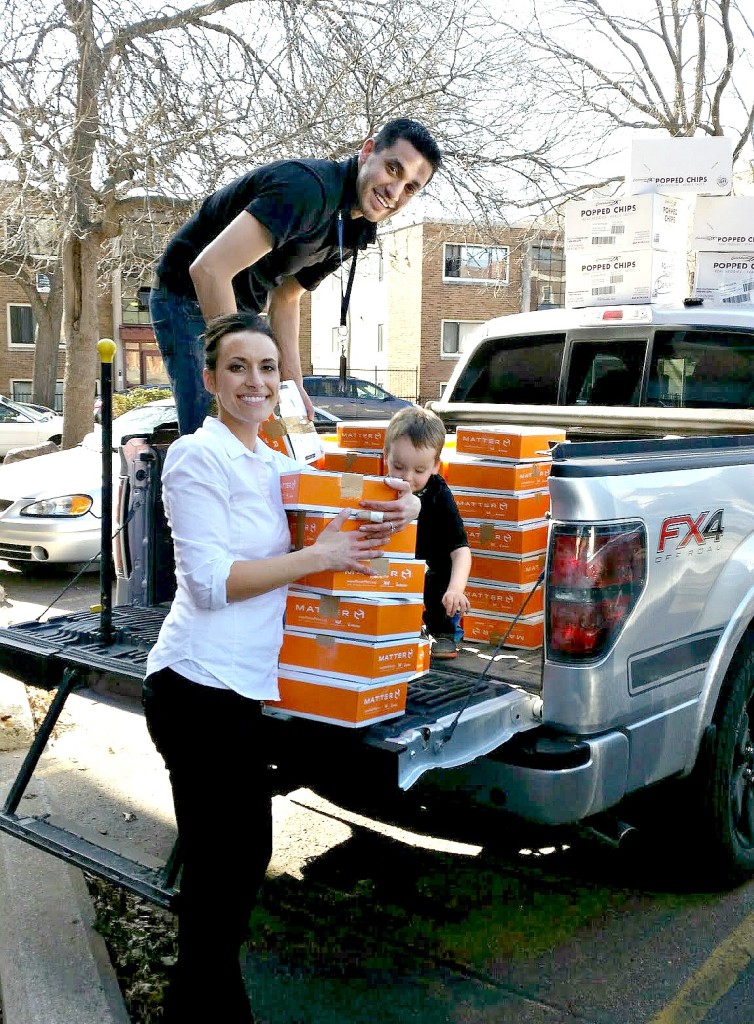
(106, 348)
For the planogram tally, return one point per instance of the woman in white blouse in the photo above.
(215, 659)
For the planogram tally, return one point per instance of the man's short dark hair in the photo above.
(413, 132)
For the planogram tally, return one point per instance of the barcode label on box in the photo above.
(604, 290)
(737, 299)
(616, 279)
(603, 240)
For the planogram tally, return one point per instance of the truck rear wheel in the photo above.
(728, 774)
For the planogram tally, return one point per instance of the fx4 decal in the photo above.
(685, 529)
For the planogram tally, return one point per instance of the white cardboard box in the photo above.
(634, 222)
(702, 165)
(292, 432)
(724, 277)
(645, 275)
(723, 224)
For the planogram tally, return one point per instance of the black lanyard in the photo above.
(345, 294)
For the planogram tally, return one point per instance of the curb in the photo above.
(54, 967)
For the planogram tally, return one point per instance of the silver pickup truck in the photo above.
(647, 671)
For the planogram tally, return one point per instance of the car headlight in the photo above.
(69, 505)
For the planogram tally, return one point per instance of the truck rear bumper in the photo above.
(543, 792)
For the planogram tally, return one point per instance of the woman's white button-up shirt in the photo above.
(223, 505)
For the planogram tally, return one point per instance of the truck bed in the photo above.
(457, 711)
(39, 652)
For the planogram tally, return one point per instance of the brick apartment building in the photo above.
(17, 329)
(420, 295)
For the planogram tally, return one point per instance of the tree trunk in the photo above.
(81, 333)
(46, 347)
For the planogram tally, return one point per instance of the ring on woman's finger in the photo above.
(392, 527)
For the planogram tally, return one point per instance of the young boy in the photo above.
(413, 443)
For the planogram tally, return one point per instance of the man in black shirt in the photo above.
(275, 233)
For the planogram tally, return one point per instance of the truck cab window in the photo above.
(696, 369)
(605, 373)
(513, 370)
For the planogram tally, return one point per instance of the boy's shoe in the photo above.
(444, 647)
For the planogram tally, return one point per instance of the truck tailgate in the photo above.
(454, 713)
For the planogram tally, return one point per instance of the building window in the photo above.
(135, 306)
(476, 264)
(380, 337)
(21, 325)
(455, 337)
(547, 276)
(21, 392)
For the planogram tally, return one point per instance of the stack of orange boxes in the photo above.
(498, 477)
(351, 642)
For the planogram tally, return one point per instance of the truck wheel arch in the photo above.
(723, 777)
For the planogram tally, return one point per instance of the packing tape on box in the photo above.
(351, 485)
(274, 427)
(381, 566)
(300, 528)
(325, 641)
(487, 533)
(329, 606)
(298, 425)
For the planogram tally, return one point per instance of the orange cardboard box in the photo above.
(307, 526)
(321, 491)
(509, 540)
(517, 569)
(508, 441)
(339, 461)
(495, 475)
(339, 703)
(504, 507)
(528, 632)
(362, 435)
(491, 597)
(339, 657)
(365, 618)
(398, 577)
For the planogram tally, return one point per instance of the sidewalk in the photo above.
(54, 968)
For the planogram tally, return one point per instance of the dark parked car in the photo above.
(358, 400)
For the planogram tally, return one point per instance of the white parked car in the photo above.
(22, 426)
(50, 505)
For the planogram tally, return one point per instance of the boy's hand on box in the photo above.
(397, 514)
(455, 602)
(347, 549)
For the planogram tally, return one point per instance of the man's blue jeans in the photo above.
(179, 328)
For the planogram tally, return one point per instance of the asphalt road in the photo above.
(453, 921)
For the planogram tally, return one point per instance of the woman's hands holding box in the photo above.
(348, 549)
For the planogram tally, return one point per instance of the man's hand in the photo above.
(307, 401)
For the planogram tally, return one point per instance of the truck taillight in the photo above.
(595, 577)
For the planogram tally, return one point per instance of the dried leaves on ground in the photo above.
(141, 942)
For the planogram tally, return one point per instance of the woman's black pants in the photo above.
(211, 742)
